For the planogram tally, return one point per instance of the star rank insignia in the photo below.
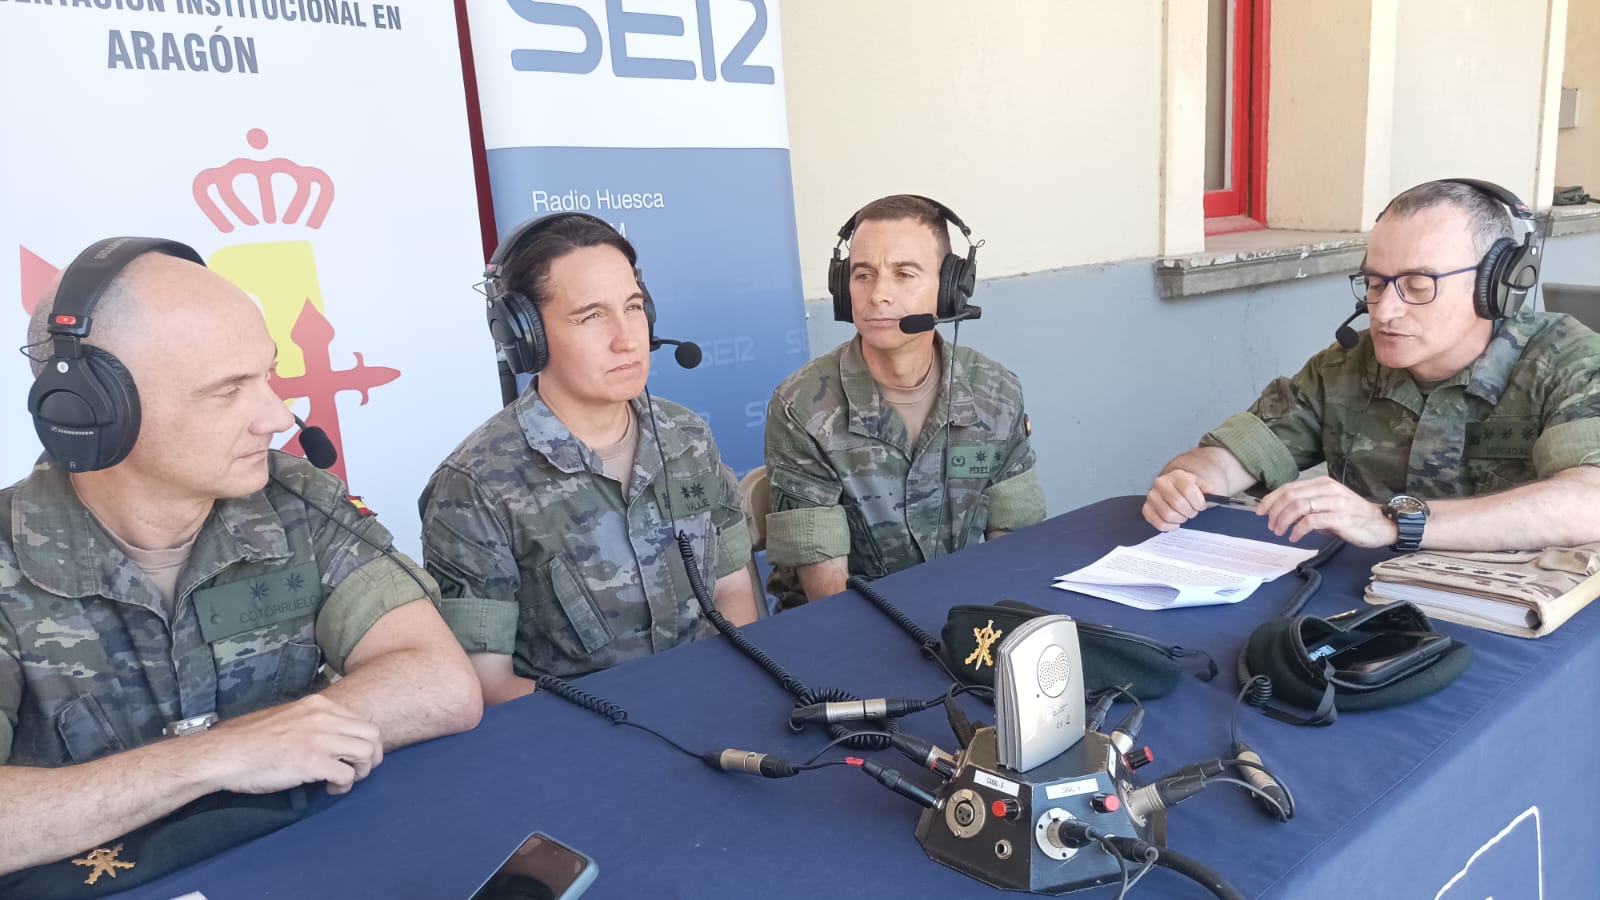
(986, 636)
(102, 862)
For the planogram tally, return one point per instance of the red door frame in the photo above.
(1247, 191)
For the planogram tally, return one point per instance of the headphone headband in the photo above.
(88, 277)
(524, 231)
(1518, 209)
(949, 215)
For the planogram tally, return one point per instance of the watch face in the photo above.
(1402, 505)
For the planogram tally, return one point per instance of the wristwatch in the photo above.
(1409, 516)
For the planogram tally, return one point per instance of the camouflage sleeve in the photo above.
(10, 681)
(1282, 431)
(1016, 499)
(807, 524)
(1571, 435)
(733, 536)
(360, 574)
(468, 550)
(356, 556)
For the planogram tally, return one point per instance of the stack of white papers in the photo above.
(1184, 568)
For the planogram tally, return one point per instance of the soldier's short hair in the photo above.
(527, 269)
(111, 313)
(896, 207)
(1487, 218)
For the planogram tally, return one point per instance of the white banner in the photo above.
(315, 152)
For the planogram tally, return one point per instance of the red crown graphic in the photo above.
(223, 179)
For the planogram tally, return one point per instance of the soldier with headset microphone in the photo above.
(1459, 421)
(551, 528)
(163, 573)
(897, 447)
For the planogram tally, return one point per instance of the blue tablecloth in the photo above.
(1488, 788)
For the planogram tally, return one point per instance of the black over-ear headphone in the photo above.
(1508, 271)
(957, 275)
(84, 404)
(514, 319)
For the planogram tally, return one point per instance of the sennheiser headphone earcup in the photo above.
(1489, 291)
(518, 331)
(86, 410)
(839, 287)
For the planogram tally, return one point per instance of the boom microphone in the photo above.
(1346, 336)
(687, 355)
(922, 322)
(314, 441)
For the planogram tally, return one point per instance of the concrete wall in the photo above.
(1040, 127)
(1329, 114)
(1578, 149)
(1119, 381)
(1468, 92)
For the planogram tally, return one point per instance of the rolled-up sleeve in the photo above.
(733, 535)
(466, 548)
(807, 524)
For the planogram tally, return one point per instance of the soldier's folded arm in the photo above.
(807, 528)
(405, 680)
(1561, 510)
(466, 547)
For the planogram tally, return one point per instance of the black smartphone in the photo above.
(542, 868)
(1382, 655)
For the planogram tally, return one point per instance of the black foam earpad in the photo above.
(958, 278)
(839, 287)
(518, 331)
(86, 410)
(1488, 293)
(649, 304)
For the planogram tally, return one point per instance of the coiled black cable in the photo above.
(1256, 692)
(577, 696)
(804, 694)
(928, 643)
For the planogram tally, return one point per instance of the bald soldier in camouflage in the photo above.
(179, 587)
(551, 527)
(1495, 425)
(866, 478)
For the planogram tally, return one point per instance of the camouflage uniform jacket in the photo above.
(1526, 409)
(92, 663)
(848, 481)
(541, 557)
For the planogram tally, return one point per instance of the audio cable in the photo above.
(853, 737)
(749, 762)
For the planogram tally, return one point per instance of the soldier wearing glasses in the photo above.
(1458, 421)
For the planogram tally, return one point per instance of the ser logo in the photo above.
(620, 24)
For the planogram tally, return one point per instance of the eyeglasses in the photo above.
(1415, 288)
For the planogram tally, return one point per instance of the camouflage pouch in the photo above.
(1111, 656)
(192, 833)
